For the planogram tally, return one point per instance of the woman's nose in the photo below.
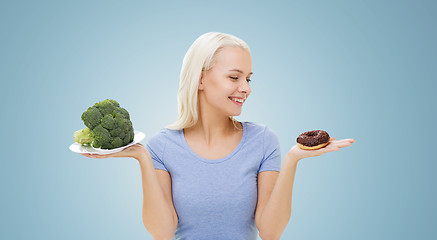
(245, 87)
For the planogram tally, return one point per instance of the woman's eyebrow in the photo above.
(238, 70)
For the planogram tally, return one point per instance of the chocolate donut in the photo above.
(313, 140)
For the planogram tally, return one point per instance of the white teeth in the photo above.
(238, 100)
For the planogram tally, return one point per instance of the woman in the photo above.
(208, 176)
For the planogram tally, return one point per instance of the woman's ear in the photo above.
(201, 84)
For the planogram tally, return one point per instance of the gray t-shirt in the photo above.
(216, 199)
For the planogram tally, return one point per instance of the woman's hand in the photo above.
(298, 153)
(134, 151)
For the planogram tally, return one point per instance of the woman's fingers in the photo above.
(85, 154)
(94, 155)
(336, 145)
(131, 151)
(333, 145)
(343, 143)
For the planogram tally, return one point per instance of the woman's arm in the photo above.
(158, 216)
(276, 213)
(274, 217)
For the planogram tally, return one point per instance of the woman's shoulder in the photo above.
(255, 127)
(163, 135)
(168, 131)
(259, 129)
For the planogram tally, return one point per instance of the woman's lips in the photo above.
(238, 103)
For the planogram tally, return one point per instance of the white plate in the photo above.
(78, 148)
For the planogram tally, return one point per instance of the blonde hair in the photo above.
(199, 57)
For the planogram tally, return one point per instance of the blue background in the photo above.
(358, 69)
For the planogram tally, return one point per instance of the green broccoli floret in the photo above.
(108, 125)
(84, 136)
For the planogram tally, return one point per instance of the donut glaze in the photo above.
(312, 140)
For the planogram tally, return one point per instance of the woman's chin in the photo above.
(235, 114)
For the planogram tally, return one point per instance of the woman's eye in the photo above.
(236, 78)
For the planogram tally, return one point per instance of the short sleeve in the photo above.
(272, 154)
(156, 147)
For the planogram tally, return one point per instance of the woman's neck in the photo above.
(211, 129)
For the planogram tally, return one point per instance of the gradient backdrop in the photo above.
(358, 69)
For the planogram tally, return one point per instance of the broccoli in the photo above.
(108, 126)
(84, 136)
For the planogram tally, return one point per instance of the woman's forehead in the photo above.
(232, 52)
(234, 58)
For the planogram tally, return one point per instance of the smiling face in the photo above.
(225, 86)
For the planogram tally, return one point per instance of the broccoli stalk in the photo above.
(108, 126)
